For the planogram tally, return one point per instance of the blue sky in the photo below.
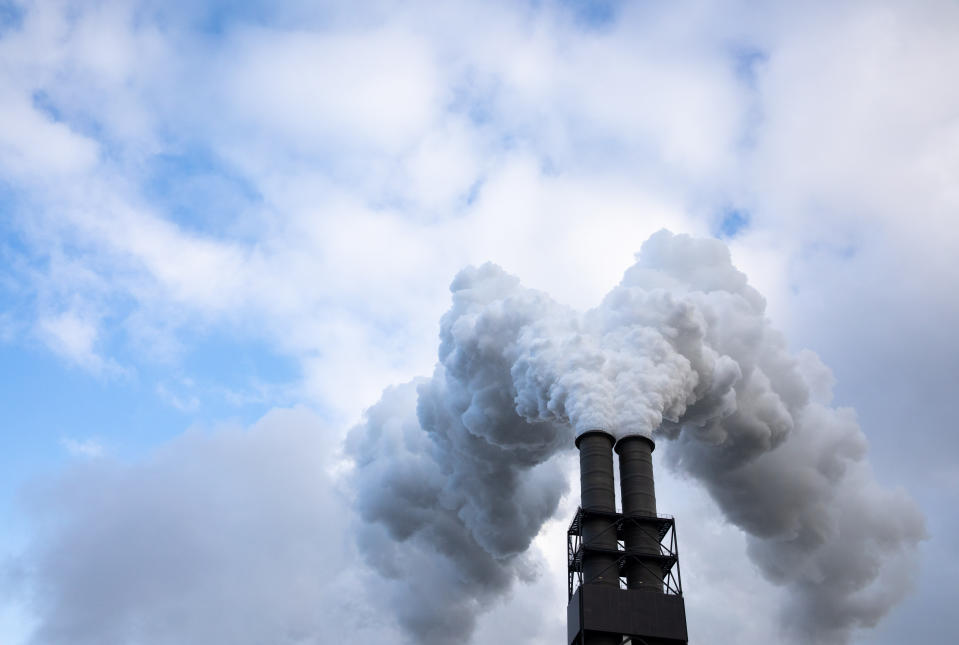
(214, 213)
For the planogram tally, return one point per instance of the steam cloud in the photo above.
(455, 474)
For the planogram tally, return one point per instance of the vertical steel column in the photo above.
(639, 500)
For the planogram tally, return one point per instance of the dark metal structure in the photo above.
(637, 545)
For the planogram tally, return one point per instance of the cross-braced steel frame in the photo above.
(660, 528)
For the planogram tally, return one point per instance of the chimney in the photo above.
(598, 498)
(600, 550)
(640, 525)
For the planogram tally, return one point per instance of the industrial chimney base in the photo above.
(603, 614)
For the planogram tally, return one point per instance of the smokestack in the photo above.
(600, 554)
(597, 491)
(640, 524)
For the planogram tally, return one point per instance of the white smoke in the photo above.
(452, 496)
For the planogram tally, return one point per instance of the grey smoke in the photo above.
(233, 536)
(456, 474)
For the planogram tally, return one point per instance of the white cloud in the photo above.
(32, 144)
(74, 336)
(373, 87)
(183, 400)
(87, 448)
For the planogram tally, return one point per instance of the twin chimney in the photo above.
(638, 494)
(605, 545)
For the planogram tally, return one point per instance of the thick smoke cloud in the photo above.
(453, 485)
(452, 496)
(235, 536)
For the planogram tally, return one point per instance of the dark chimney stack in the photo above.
(597, 486)
(640, 531)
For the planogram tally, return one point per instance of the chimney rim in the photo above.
(619, 442)
(592, 431)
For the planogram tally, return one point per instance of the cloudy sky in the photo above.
(225, 228)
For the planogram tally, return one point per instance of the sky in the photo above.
(226, 228)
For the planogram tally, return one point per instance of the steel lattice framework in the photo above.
(662, 528)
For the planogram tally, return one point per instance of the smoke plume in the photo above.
(455, 473)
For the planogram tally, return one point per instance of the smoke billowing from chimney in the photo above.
(455, 479)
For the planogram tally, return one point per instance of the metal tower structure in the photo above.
(624, 579)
